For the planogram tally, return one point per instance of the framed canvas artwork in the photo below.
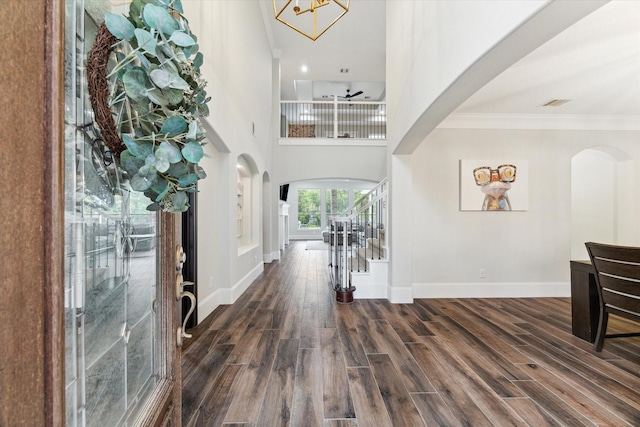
(494, 185)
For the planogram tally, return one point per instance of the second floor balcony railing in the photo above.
(333, 119)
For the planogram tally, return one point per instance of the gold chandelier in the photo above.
(313, 21)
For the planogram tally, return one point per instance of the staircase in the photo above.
(359, 260)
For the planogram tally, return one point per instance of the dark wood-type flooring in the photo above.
(287, 354)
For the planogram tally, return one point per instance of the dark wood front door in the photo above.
(51, 238)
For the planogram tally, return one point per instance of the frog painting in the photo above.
(495, 184)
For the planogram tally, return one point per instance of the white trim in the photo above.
(213, 301)
(226, 296)
(540, 121)
(238, 289)
(492, 290)
(269, 258)
(370, 291)
(342, 142)
(399, 295)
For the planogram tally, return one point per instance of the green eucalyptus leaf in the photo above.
(170, 66)
(177, 5)
(173, 154)
(146, 41)
(163, 193)
(144, 149)
(203, 109)
(160, 185)
(201, 96)
(135, 82)
(132, 145)
(187, 180)
(159, 18)
(144, 62)
(148, 169)
(164, 79)
(154, 207)
(150, 193)
(178, 169)
(140, 183)
(174, 96)
(190, 50)
(119, 26)
(174, 125)
(192, 152)
(182, 39)
(193, 130)
(161, 162)
(157, 97)
(166, 50)
(198, 60)
(200, 173)
(180, 201)
(129, 163)
(180, 56)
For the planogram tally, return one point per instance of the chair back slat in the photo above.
(623, 269)
(628, 304)
(629, 254)
(618, 283)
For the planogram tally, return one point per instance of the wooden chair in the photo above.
(618, 283)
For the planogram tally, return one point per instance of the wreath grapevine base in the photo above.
(99, 89)
(147, 95)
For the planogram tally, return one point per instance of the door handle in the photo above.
(181, 293)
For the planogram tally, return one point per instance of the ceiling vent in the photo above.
(555, 102)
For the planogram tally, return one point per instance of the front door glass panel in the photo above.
(112, 245)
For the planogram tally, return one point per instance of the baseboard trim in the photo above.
(399, 295)
(210, 303)
(370, 291)
(242, 285)
(269, 258)
(492, 290)
(226, 296)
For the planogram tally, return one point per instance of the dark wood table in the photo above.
(585, 307)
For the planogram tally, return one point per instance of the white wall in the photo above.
(439, 54)
(297, 162)
(522, 253)
(238, 70)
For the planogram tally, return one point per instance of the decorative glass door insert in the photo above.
(112, 245)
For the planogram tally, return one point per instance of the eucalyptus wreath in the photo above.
(147, 95)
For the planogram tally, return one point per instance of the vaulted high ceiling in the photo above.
(595, 64)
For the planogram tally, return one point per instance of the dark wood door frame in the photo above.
(31, 236)
(190, 268)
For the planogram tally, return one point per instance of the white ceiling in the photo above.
(595, 64)
(356, 42)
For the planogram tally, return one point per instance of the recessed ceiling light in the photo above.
(555, 102)
(304, 69)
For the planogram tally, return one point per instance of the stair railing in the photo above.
(356, 236)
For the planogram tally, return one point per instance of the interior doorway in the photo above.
(601, 199)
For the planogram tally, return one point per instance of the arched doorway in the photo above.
(600, 200)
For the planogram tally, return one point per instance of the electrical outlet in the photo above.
(482, 273)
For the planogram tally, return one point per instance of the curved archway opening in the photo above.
(600, 179)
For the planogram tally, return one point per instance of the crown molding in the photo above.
(541, 121)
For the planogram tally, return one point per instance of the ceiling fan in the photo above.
(349, 95)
